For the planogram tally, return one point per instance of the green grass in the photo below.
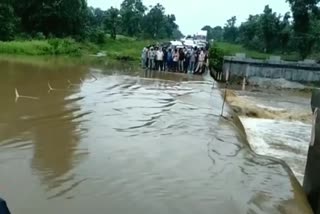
(125, 47)
(121, 48)
(33, 47)
(236, 48)
(67, 47)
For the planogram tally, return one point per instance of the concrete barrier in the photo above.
(305, 71)
(311, 183)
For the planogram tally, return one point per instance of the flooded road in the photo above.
(102, 141)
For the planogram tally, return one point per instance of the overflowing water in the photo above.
(288, 141)
(274, 83)
(277, 123)
(102, 141)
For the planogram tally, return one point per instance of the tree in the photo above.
(285, 32)
(158, 25)
(73, 18)
(7, 22)
(96, 17)
(269, 23)
(53, 17)
(266, 32)
(154, 24)
(249, 32)
(207, 28)
(315, 31)
(171, 28)
(132, 12)
(217, 33)
(176, 34)
(230, 30)
(302, 11)
(112, 21)
(209, 31)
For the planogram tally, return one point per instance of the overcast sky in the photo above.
(192, 15)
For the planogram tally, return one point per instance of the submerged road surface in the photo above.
(129, 144)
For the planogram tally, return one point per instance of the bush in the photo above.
(54, 45)
(101, 38)
(216, 58)
(97, 37)
(22, 37)
(64, 47)
(39, 36)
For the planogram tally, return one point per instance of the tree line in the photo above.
(295, 31)
(73, 18)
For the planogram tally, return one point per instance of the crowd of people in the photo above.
(184, 60)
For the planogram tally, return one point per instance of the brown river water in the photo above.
(104, 141)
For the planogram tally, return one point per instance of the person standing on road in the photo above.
(187, 60)
(170, 60)
(176, 61)
(196, 54)
(165, 57)
(156, 53)
(201, 60)
(192, 64)
(181, 60)
(159, 57)
(147, 58)
(206, 62)
(151, 58)
(144, 57)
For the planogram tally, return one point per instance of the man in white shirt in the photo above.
(151, 58)
(201, 61)
(159, 60)
(144, 57)
(192, 61)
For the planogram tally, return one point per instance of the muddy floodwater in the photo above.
(77, 139)
(277, 123)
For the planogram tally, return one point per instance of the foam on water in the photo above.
(274, 83)
(288, 141)
(270, 108)
(258, 108)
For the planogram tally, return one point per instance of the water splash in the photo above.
(246, 107)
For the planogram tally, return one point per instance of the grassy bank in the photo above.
(232, 49)
(124, 48)
(45, 47)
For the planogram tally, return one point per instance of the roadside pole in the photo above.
(311, 182)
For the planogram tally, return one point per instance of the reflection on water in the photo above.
(149, 143)
(46, 125)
